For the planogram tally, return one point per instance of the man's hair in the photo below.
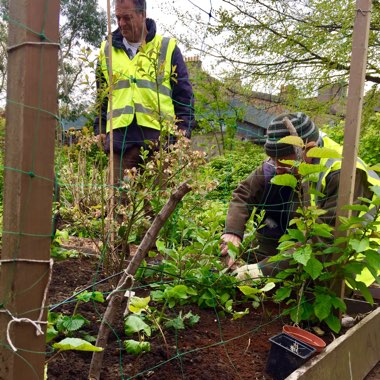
(139, 4)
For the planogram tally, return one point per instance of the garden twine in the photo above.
(37, 323)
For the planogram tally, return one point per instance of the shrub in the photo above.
(233, 167)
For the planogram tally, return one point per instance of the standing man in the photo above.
(151, 87)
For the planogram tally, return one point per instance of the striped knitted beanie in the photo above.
(305, 128)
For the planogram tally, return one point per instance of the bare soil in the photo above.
(216, 347)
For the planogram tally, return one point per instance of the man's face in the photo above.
(131, 21)
(283, 168)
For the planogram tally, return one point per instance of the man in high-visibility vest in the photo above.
(150, 87)
(280, 202)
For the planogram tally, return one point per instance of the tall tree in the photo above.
(306, 43)
(82, 28)
(217, 107)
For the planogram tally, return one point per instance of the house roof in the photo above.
(78, 123)
(253, 115)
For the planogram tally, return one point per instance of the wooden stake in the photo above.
(116, 298)
(29, 182)
(111, 207)
(354, 112)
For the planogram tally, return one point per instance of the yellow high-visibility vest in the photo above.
(333, 164)
(141, 86)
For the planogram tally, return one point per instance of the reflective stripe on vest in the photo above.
(136, 90)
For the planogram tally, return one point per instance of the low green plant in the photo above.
(72, 326)
(231, 168)
(57, 251)
(146, 319)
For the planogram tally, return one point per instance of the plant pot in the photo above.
(305, 336)
(286, 355)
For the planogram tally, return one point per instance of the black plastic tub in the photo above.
(286, 355)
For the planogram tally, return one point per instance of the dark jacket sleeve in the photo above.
(100, 122)
(245, 198)
(182, 94)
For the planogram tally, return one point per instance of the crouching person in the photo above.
(279, 203)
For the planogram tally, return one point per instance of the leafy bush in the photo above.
(233, 167)
(369, 149)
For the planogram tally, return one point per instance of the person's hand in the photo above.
(101, 139)
(229, 238)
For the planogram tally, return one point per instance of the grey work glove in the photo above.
(247, 272)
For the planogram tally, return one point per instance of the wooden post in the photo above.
(354, 109)
(29, 181)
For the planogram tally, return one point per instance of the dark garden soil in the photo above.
(215, 347)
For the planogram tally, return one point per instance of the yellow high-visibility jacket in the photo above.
(333, 164)
(140, 86)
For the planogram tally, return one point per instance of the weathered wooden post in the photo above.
(354, 109)
(29, 180)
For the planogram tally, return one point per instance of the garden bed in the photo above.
(215, 347)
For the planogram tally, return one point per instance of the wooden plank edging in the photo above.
(351, 356)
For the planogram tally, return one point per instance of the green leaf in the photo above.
(135, 348)
(333, 322)
(296, 235)
(89, 338)
(191, 318)
(322, 230)
(76, 344)
(285, 180)
(137, 304)
(292, 140)
(373, 259)
(249, 291)
(302, 255)
(338, 304)
(282, 294)
(269, 286)
(51, 333)
(314, 268)
(160, 245)
(73, 323)
(365, 292)
(177, 292)
(157, 295)
(318, 152)
(353, 267)
(134, 324)
(360, 245)
(175, 323)
(240, 314)
(322, 306)
(363, 208)
(315, 192)
(87, 296)
(307, 169)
